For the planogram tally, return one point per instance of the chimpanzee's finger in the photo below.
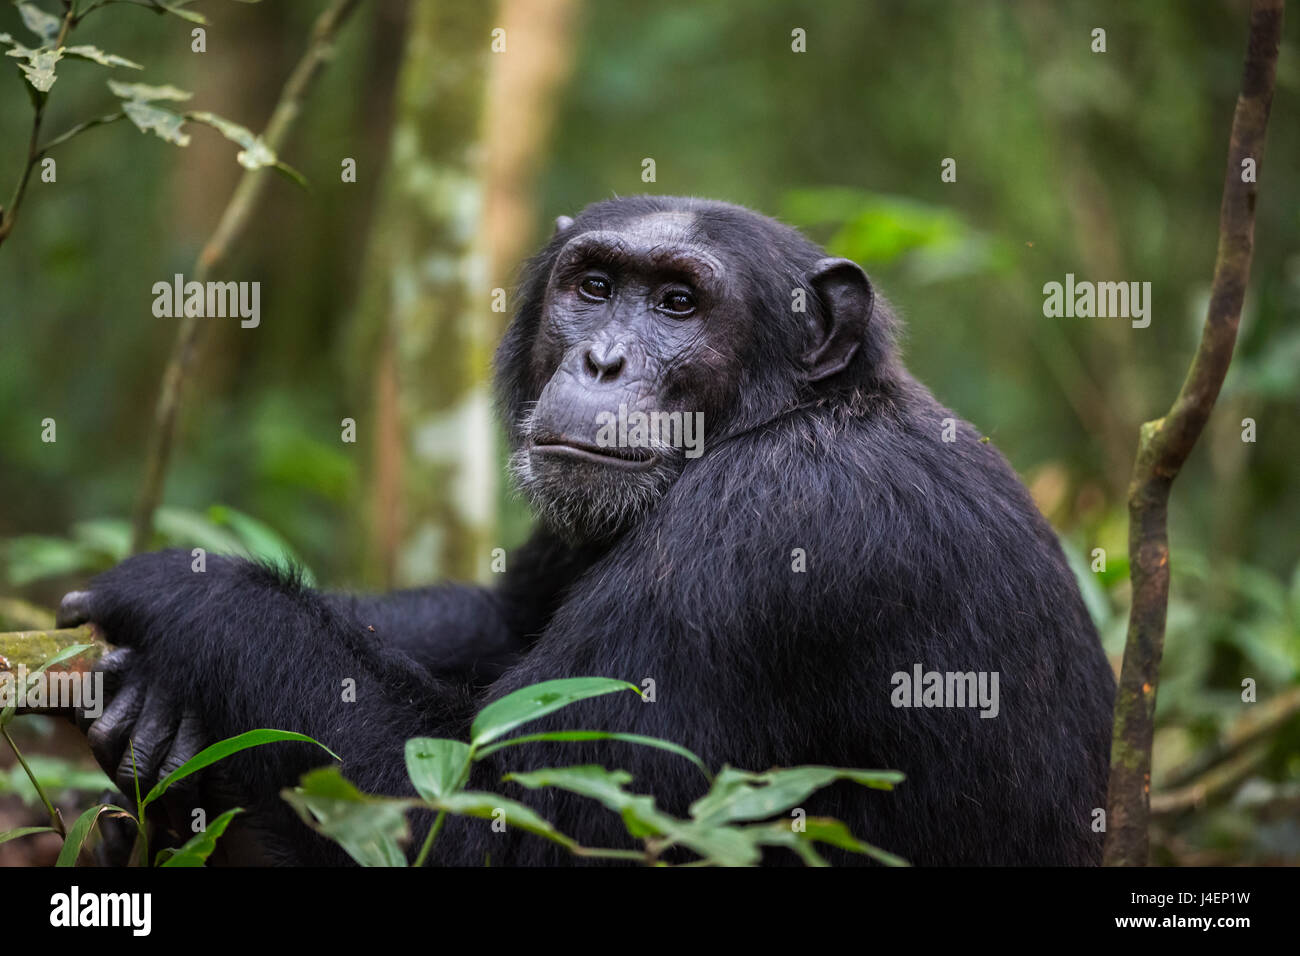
(109, 734)
(151, 740)
(74, 609)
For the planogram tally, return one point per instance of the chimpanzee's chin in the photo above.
(587, 500)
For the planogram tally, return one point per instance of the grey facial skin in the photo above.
(622, 321)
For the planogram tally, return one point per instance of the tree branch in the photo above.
(1165, 444)
(233, 222)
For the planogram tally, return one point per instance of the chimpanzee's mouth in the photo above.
(628, 459)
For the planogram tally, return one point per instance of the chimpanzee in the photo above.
(802, 587)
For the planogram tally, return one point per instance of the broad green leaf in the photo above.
(537, 700)
(100, 57)
(146, 93)
(564, 736)
(198, 848)
(81, 831)
(370, 829)
(473, 803)
(24, 831)
(44, 25)
(223, 749)
(739, 795)
(435, 765)
(162, 123)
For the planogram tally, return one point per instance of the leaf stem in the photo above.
(55, 816)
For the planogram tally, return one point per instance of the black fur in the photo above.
(918, 551)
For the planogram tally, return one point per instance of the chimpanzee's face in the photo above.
(639, 345)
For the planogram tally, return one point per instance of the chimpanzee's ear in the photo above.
(562, 223)
(846, 300)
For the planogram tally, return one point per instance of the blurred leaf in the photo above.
(176, 10)
(537, 700)
(255, 153)
(193, 529)
(164, 124)
(44, 25)
(472, 803)
(198, 848)
(57, 776)
(100, 57)
(145, 93)
(32, 557)
(39, 68)
(738, 795)
(259, 540)
(24, 831)
(370, 829)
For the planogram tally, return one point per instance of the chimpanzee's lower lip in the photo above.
(621, 458)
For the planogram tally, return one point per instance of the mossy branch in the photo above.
(1165, 444)
(31, 649)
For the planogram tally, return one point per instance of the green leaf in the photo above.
(176, 11)
(223, 749)
(24, 831)
(255, 153)
(370, 829)
(259, 540)
(436, 765)
(146, 93)
(193, 529)
(640, 815)
(164, 124)
(740, 795)
(564, 736)
(81, 831)
(473, 803)
(99, 56)
(198, 848)
(44, 25)
(837, 833)
(39, 68)
(537, 700)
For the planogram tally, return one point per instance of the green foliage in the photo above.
(101, 543)
(198, 848)
(728, 826)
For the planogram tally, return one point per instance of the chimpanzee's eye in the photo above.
(678, 302)
(595, 287)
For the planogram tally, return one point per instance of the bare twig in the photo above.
(1165, 444)
(243, 203)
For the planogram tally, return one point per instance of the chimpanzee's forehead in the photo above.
(655, 240)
